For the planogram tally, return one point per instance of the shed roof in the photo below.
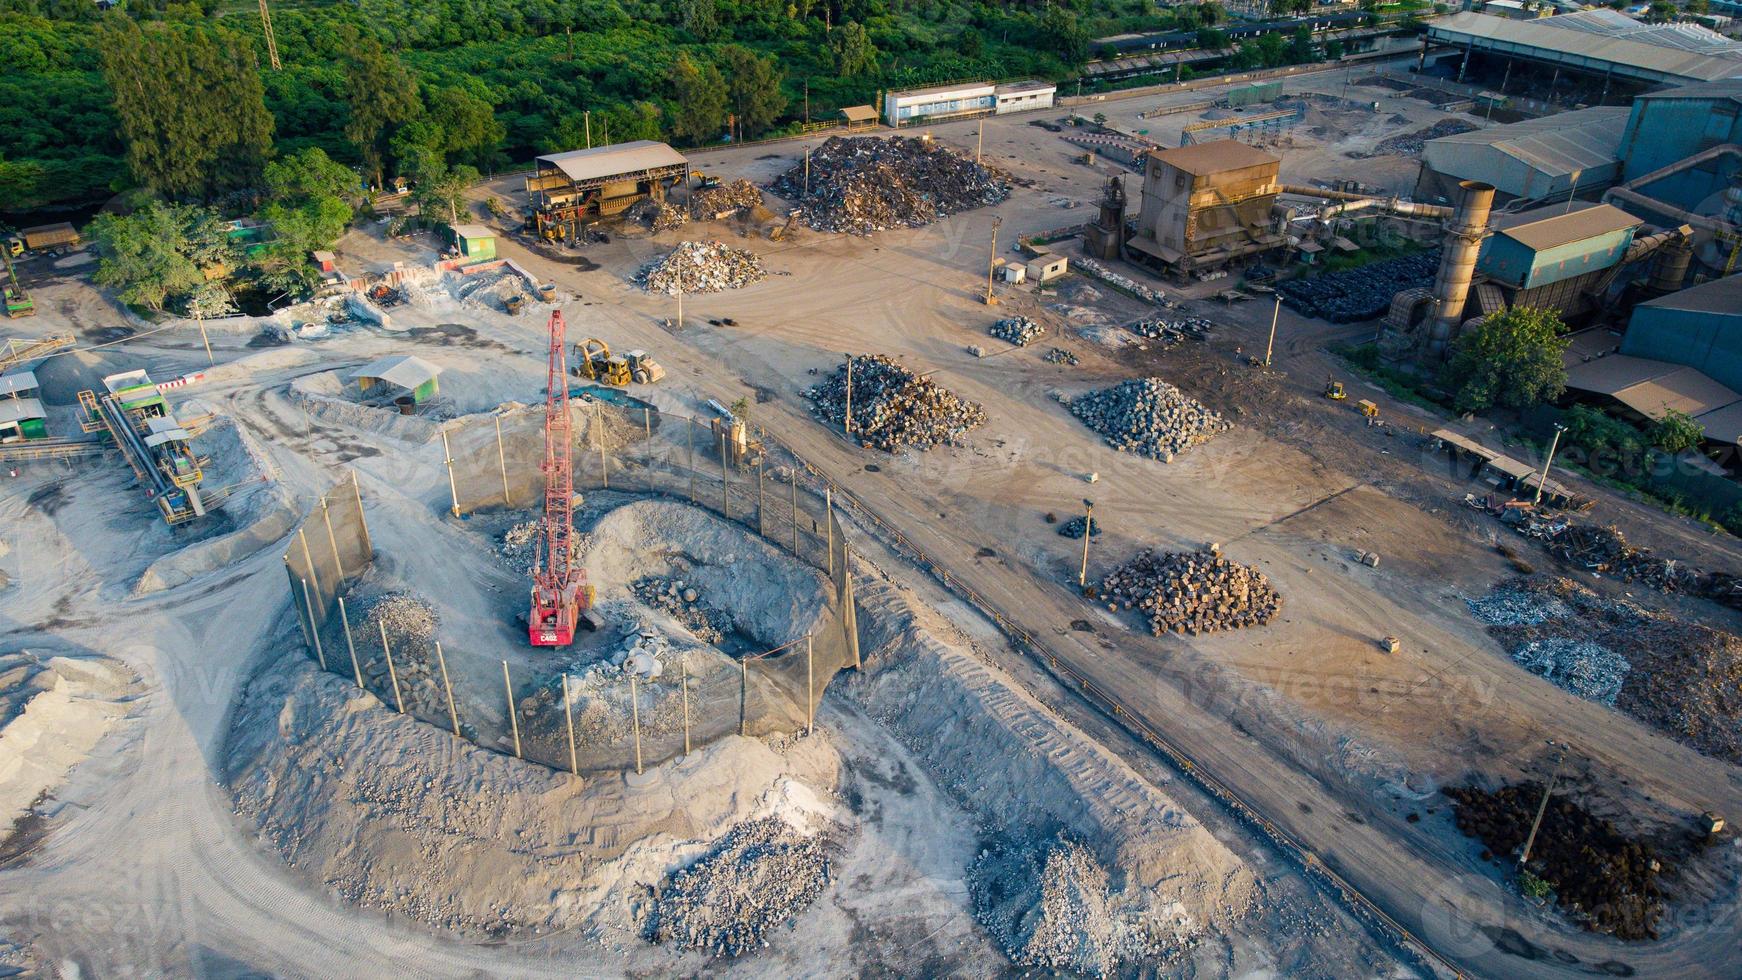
(1723, 424)
(1214, 157)
(1646, 54)
(610, 161)
(1581, 140)
(1615, 373)
(1464, 442)
(404, 370)
(1512, 467)
(1685, 389)
(1718, 296)
(19, 409)
(1027, 85)
(1552, 226)
(18, 381)
(859, 113)
(472, 232)
(1724, 88)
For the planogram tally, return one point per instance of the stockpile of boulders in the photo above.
(1147, 417)
(683, 603)
(893, 408)
(1051, 905)
(759, 876)
(1132, 286)
(1073, 528)
(724, 200)
(702, 267)
(1191, 592)
(411, 624)
(1058, 355)
(1171, 332)
(860, 185)
(1018, 330)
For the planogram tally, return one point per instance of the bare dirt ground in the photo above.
(1340, 746)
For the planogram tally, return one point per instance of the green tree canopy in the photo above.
(854, 53)
(149, 256)
(752, 89)
(382, 96)
(1512, 359)
(698, 100)
(1677, 432)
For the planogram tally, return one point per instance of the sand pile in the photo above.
(755, 879)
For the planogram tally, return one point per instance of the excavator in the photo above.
(595, 362)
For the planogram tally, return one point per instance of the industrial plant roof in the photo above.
(19, 409)
(1718, 296)
(404, 370)
(944, 89)
(1636, 54)
(1214, 157)
(1030, 85)
(17, 381)
(619, 158)
(1553, 225)
(1581, 140)
(1724, 88)
(473, 232)
(1613, 23)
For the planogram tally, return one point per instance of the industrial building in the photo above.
(1698, 327)
(1554, 257)
(1602, 45)
(1205, 205)
(1682, 164)
(1544, 159)
(21, 412)
(944, 102)
(567, 189)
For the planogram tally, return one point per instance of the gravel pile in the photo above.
(1053, 908)
(893, 408)
(1073, 528)
(760, 875)
(702, 267)
(713, 203)
(683, 603)
(1362, 293)
(412, 624)
(1132, 286)
(860, 185)
(1191, 592)
(1058, 355)
(1147, 417)
(1592, 672)
(1018, 330)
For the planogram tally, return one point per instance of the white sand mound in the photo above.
(53, 712)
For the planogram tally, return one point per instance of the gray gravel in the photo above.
(760, 875)
(1147, 417)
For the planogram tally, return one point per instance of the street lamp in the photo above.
(1088, 532)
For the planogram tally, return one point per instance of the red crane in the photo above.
(559, 592)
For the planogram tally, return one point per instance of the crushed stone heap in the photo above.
(724, 201)
(859, 185)
(1018, 330)
(702, 267)
(1191, 592)
(757, 877)
(893, 408)
(1147, 417)
(1171, 332)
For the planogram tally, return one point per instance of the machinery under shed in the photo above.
(570, 189)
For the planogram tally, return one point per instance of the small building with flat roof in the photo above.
(476, 242)
(21, 419)
(939, 102)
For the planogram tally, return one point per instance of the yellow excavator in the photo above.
(1334, 390)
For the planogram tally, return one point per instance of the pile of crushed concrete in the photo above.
(680, 600)
(724, 200)
(893, 408)
(1147, 417)
(759, 876)
(861, 185)
(702, 267)
(1191, 592)
(1018, 330)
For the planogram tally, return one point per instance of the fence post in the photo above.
(829, 525)
(513, 719)
(314, 628)
(810, 692)
(599, 427)
(761, 460)
(569, 713)
(683, 666)
(333, 542)
(502, 464)
(362, 520)
(448, 686)
(690, 438)
(725, 479)
(350, 644)
(448, 460)
(392, 672)
(849, 614)
(647, 421)
(743, 697)
(635, 720)
(795, 507)
(309, 560)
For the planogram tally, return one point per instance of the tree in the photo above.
(698, 100)
(445, 194)
(855, 55)
(1211, 13)
(1300, 47)
(144, 255)
(752, 89)
(1064, 33)
(1677, 432)
(190, 104)
(1210, 39)
(1513, 359)
(382, 96)
(1660, 12)
(700, 18)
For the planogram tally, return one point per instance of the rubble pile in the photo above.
(893, 408)
(1361, 293)
(411, 626)
(1171, 332)
(861, 185)
(1147, 417)
(657, 215)
(1608, 879)
(1605, 551)
(683, 603)
(702, 267)
(1058, 355)
(1018, 330)
(724, 201)
(1410, 144)
(1191, 592)
(1132, 286)
(1588, 670)
(1073, 528)
(760, 875)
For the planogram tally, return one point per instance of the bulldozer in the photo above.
(595, 362)
(1334, 390)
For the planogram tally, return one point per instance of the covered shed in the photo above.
(475, 242)
(22, 418)
(567, 188)
(1545, 245)
(397, 376)
(1535, 159)
(859, 117)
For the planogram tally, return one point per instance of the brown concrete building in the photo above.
(1206, 205)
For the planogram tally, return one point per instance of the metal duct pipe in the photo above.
(1464, 234)
(1670, 269)
(1642, 247)
(1361, 202)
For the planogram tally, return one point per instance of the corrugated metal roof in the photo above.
(1217, 156)
(1724, 88)
(1030, 85)
(1549, 227)
(17, 381)
(1613, 23)
(620, 158)
(19, 409)
(404, 370)
(473, 232)
(859, 113)
(1544, 40)
(1723, 424)
(1718, 296)
(1615, 373)
(1651, 388)
(1582, 140)
(970, 88)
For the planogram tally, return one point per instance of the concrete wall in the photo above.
(1709, 342)
(1662, 131)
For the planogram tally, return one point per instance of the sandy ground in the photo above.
(1334, 742)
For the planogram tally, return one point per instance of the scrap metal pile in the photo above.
(1410, 144)
(657, 215)
(1171, 332)
(861, 185)
(701, 267)
(1191, 592)
(1604, 550)
(1073, 528)
(1147, 417)
(893, 408)
(1362, 293)
(1018, 330)
(724, 201)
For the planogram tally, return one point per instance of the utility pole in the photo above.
(980, 140)
(1541, 808)
(1269, 345)
(992, 262)
(848, 424)
(807, 171)
(1543, 480)
(679, 324)
(1088, 532)
(587, 121)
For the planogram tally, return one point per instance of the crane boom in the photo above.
(558, 592)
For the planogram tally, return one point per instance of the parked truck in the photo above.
(43, 237)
